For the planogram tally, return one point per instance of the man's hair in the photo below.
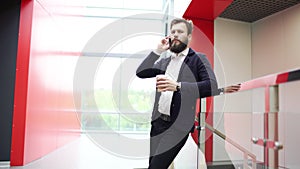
(188, 23)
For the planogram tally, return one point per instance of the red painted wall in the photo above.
(45, 117)
(203, 39)
(203, 13)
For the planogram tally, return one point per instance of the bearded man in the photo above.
(182, 76)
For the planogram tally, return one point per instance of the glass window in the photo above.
(119, 100)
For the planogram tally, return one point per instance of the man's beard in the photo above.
(178, 48)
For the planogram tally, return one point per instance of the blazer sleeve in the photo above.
(209, 78)
(206, 82)
(149, 67)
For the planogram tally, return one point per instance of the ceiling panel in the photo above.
(253, 10)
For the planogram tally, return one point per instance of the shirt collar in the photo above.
(181, 54)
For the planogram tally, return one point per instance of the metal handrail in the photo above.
(244, 150)
(224, 137)
(271, 80)
(262, 82)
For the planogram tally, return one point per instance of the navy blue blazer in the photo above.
(197, 81)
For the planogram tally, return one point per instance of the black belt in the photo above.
(165, 117)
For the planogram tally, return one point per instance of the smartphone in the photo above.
(170, 41)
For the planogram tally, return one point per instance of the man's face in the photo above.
(180, 38)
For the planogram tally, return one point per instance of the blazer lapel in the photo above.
(185, 63)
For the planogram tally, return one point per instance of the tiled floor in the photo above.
(84, 154)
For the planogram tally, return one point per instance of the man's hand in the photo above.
(163, 45)
(232, 88)
(165, 84)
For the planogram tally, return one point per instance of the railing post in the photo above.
(271, 125)
(202, 116)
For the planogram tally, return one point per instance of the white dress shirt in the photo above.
(172, 72)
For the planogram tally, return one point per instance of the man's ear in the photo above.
(190, 37)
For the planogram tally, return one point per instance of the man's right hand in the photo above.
(163, 45)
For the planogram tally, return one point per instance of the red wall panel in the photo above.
(202, 41)
(203, 13)
(45, 116)
(21, 83)
(206, 9)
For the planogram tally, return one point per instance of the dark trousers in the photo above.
(165, 143)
